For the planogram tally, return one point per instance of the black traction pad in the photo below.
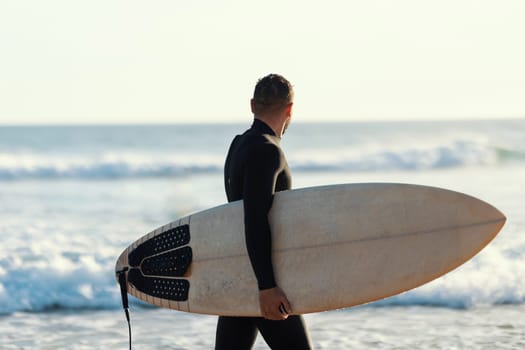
(165, 288)
(168, 240)
(174, 263)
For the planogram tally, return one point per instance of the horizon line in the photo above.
(235, 122)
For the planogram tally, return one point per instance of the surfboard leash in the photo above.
(124, 294)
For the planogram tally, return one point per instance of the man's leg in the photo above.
(237, 333)
(290, 334)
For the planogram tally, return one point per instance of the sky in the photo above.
(129, 61)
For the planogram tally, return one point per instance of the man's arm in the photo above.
(260, 174)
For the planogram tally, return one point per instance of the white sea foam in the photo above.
(88, 285)
(36, 282)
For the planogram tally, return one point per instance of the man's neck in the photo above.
(274, 123)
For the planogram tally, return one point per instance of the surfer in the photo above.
(254, 170)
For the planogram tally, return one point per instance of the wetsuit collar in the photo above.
(262, 127)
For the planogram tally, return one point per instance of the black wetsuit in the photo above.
(255, 169)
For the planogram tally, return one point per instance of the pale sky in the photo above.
(174, 61)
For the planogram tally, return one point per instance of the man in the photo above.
(255, 169)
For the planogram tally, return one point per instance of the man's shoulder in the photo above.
(258, 141)
(263, 144)
(258, 148)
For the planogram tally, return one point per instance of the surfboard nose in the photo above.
(502, 218)
(487, 215)
(488, 211)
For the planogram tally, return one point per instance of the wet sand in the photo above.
(500, 327)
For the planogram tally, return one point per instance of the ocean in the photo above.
(73, 197)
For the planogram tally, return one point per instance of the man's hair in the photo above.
(271, 93)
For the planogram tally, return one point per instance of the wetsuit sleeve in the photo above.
(259, 186)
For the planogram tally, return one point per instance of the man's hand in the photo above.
(274, 304)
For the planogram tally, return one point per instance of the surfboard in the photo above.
(333, 247)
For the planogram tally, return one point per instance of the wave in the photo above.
(79, 281)
(365, 157)
(509, 155)
(105, 166)
(456, 153)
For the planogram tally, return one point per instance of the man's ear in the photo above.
(252, 106)
(289, 108)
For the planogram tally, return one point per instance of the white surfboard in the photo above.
(333, 247)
